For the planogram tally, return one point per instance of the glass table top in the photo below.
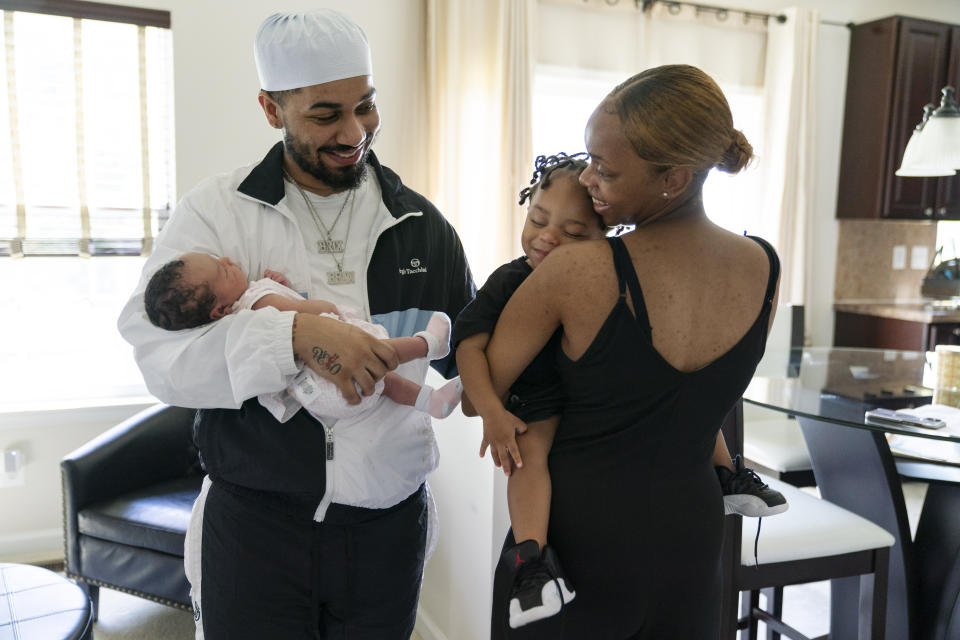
(838, 385)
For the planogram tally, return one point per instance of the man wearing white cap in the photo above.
(308, 529)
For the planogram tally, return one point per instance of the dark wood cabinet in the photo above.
(877, 332)
(897, 65)
(942, 333)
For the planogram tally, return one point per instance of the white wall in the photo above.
(219, 124)
(472, 504)
(31, 523)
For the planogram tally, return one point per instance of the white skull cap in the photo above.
(302, 48)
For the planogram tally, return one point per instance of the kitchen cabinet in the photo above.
(879, 332)
(897, 65)
(942, 333)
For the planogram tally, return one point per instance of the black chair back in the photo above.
(855, 470)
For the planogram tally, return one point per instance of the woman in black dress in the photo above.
(662, 330)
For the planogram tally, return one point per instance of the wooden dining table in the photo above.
(828, 390)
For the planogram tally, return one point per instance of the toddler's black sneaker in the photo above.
(745, 493)
(539, 587)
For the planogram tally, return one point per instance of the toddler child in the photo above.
(198, 288)
(559, 211)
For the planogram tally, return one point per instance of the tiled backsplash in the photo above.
(865, 254)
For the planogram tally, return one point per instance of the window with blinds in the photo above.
(86, 149)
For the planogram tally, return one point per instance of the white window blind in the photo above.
(86, 152)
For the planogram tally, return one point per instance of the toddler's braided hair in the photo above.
(545, 166)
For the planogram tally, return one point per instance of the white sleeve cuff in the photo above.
(282, 346)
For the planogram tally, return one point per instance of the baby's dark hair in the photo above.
(545, 166)
(172, 305)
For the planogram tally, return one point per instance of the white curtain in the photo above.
(730, 49)
(484, 59)
(615, 42)
(479, 77)
(788, 153)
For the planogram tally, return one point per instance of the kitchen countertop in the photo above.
(910, 310)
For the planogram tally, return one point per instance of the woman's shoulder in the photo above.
(753, 250)
(582, 249)
(576, 267)
(748, 260)
(579, 256)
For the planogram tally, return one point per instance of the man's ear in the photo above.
(271, 110)
(676, 180)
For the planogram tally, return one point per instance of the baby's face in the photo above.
(225, 279)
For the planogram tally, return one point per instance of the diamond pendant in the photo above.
(340, 277)
(330, 246)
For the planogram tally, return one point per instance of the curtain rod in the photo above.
(834, 23)
(723, 12)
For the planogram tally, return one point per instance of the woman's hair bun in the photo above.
(738, 155)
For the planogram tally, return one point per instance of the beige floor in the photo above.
(124, 617)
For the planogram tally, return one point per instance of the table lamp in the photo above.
(934, 147)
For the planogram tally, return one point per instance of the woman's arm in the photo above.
(528, 321)
(525, 326)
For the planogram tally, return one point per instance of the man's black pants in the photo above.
(268, 572)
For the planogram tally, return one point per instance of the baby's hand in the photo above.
(276, 276)
(500, 434)
(319, 306)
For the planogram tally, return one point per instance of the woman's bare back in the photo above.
(703, 288)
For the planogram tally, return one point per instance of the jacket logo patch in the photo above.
(413, 268)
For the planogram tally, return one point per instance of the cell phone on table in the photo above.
(901, 419)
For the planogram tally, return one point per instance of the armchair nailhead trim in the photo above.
(133, 592)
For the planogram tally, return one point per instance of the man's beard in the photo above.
(348, 177)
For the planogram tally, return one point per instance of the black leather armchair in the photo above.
(127, 497)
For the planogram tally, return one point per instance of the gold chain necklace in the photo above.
(327, 245)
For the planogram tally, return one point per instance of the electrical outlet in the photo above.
(920, 257)
(900, 257)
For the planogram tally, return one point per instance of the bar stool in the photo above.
(813, 540)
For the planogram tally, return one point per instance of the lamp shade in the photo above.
(917, 158)
(934, 147)
(941, 144)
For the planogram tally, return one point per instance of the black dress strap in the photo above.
(627, 278)
(774, 267)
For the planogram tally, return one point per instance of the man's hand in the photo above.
(276, 276)
(499, 433)
(342, 353)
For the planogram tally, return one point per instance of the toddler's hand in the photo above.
(276, 276)
(500, 434)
